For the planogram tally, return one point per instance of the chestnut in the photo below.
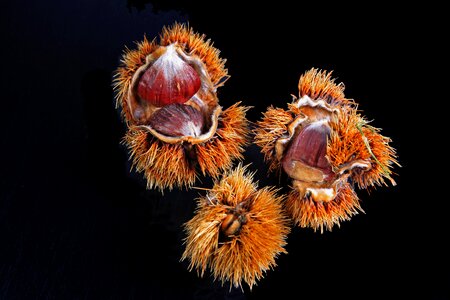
(237, 231)
(323, 144)
(167, 92)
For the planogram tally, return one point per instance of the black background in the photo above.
(75, 223)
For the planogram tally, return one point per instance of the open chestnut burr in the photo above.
(167, 92)
(325, 146)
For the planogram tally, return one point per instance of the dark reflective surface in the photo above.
(76, 224)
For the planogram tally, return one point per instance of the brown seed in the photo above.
(307, 153)
(232, 224)
(169, 80)
(178, 120)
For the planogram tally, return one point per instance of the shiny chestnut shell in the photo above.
(177, 120)
(168, 80)
(306, 153)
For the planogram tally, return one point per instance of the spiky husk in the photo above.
(166, 166)
(130, 62)
(247, 256)
(197, 44)
(232, 135)
(192, 42)
(323, 215)
(318, 84)
(271, 127)
(314, 83)
(353, 139)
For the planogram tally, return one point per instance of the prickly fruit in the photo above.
(322, 143)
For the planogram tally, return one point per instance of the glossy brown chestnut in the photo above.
(178, 120)
(168, 80)
(305, 158)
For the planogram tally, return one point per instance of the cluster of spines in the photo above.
(352, 138)
(319, 84)
(273, 125)
(246, 257)
(323, 215)
(166, 166)
(217, 155)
